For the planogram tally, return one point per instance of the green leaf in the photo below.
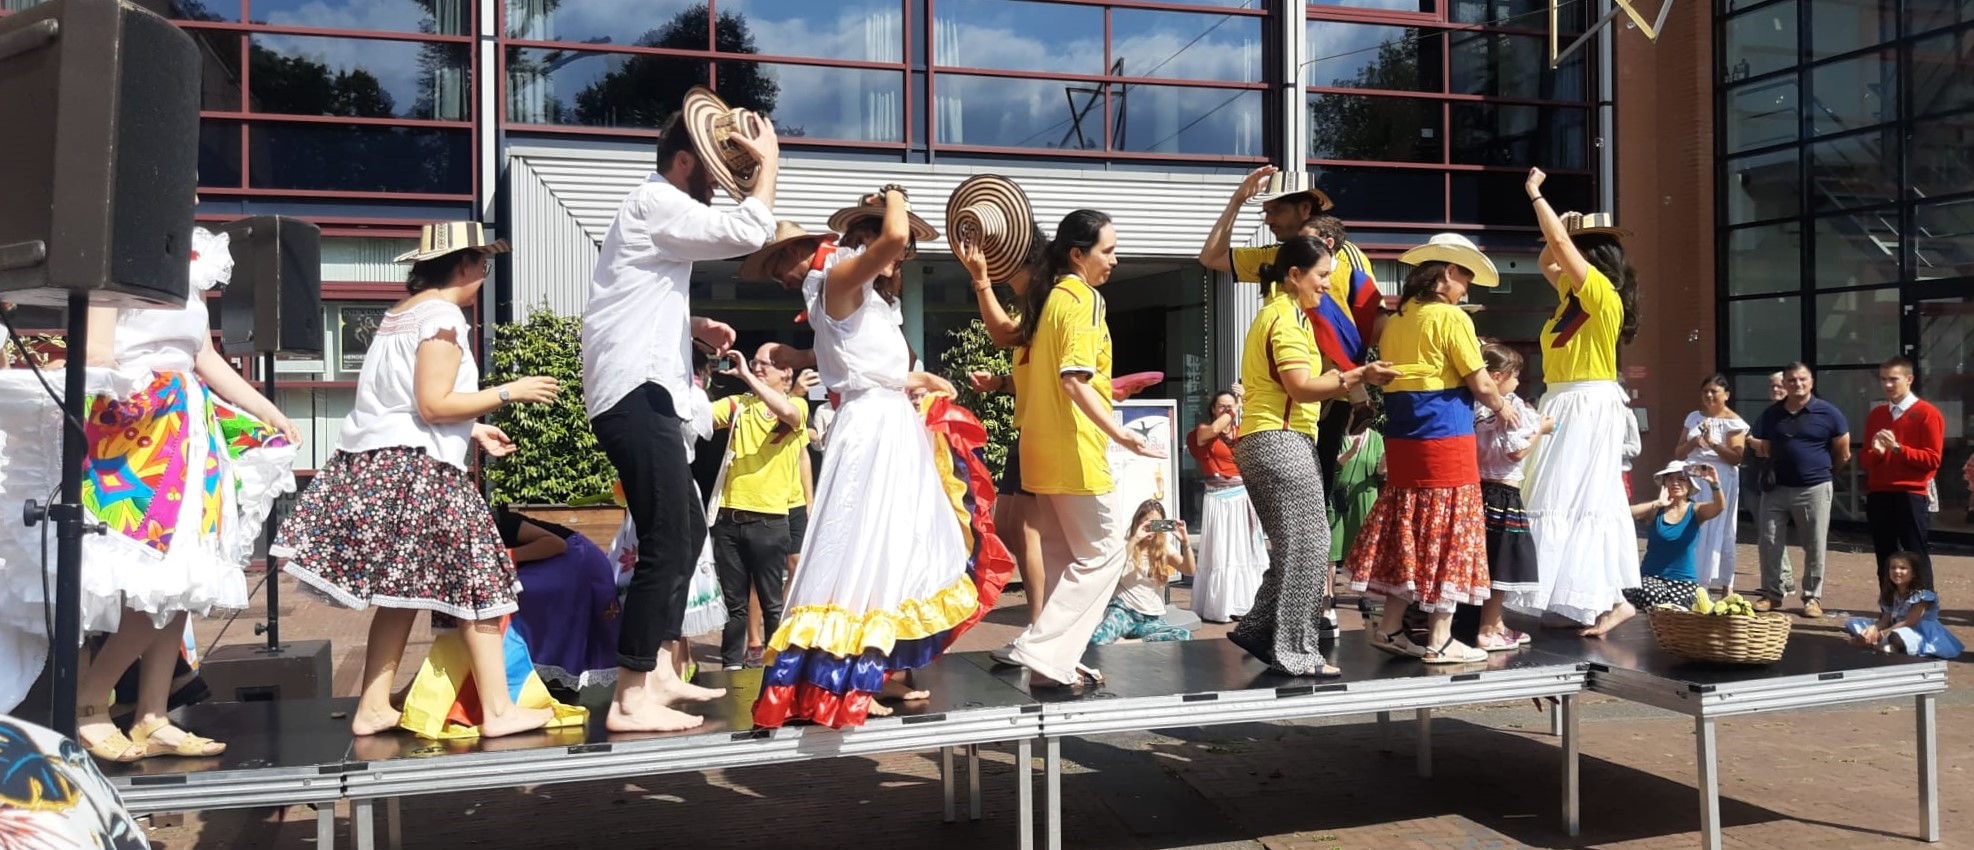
(556, 460)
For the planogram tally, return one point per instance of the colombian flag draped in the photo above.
(444, 703)
(1342, 327)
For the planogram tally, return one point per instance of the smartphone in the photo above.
(1162, 525)
(735, 361)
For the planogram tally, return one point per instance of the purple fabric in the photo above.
(569, 613)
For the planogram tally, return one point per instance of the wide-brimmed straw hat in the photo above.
(1283, 184)
(1592, 224)
(992, 213)
(438, 240)
(712, 124)
(1677, 467)
(1458, 250)
(841, 220)
(787, 233)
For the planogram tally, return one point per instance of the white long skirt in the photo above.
(1586, 545)
(1233, 556)
(1713, 562)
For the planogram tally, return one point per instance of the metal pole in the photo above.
(1607, 133)
(267, 532)
(70, 524)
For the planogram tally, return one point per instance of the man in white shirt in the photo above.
(638, 333)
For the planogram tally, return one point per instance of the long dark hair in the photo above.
(1079, 230)
(1213, 401)
(1300, 252)
(1607, 254)
(438, 272)
(1422, 284)
(1922, 577)
(1718, 380)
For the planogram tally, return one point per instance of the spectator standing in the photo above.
(1905, 441)
(1805, 440)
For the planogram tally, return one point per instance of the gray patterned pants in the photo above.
(1285, 482)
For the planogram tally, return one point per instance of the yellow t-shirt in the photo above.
(766, 474)
(1247, 263)
(797, 499)
(1580, 342)
(1063, 453)
(1279, 339)
(1432, 345)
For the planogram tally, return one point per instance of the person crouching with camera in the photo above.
(1156, 549)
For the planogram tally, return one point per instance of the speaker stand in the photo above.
(271, 628)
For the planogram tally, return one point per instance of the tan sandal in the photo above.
(117, 747)
(188, 746)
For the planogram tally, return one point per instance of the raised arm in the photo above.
(1002, 329)
(1217, 252)
(778, 403)
(843, 293)
(1567, 258)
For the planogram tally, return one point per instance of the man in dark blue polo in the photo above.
(1805, 440)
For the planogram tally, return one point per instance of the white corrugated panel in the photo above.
(363, 259)
(553, 254)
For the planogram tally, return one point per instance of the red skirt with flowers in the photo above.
(1427, 545)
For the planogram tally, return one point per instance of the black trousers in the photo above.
(1898, 524)
(747, 554)
(1329, 441)
(645, 440)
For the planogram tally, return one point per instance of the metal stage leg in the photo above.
(1425, 724)
(360, 823)
(973, 782)
(1052, 790)
(1024, 792)
(325, 825)
(1566, 729)
(393, 823)
(1703, 736)
(1556, 722)
(1384, 732)
(1929, 768)
(946, 781)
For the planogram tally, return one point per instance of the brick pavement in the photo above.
(1800, 780)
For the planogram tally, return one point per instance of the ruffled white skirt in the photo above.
(1585, 542)
(1233, 556)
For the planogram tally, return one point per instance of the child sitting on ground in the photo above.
(1909, 612)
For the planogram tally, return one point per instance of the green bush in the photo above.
(557, 460)
(973, 351)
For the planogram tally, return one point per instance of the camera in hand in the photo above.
(1162, 525)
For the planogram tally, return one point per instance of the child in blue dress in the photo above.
(1909, 618)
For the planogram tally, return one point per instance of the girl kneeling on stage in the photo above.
(392, 519)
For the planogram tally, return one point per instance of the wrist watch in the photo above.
(504, 397)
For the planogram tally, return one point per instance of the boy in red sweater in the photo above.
(1904, 442)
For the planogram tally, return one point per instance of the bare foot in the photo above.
(649, 717)
(515, 720)
(895, 688)
(1610, 620)
(878, 709)
(679, 690)
(366, 722)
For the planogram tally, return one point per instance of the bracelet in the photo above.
(1538, 198)
(982, 285)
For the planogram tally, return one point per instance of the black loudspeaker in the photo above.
(101, 104)
(274, 301)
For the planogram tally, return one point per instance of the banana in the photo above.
(1702, 604)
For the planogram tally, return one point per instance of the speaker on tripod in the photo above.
(273, 304)
(101, 100)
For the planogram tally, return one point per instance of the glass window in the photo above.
(1381, 194)
(1356, 56)
(860, 30)
(1017, 113)
(1854, 392)
(1497, 198)
(1943, 239)
(1764, 186)
(1517, 14)
(1186, 46)
(1855, 328)
(611, 89)
(1855, 171)
(1854, 93)
(219, 64)
(1841, 26)
(219, 153)
(361, 158)
(1171, 119)
(1371, 128)
(1857, 249)
(1765, 332)
(1514, 66)
(1924, 15)
(1042, 37)
(1422, 6)
(849, 104)
(1762, 114)
(361, 78)
(1940, 82)
(604, 23)
(1750, 395)
(1761, 41)
(442, 17)
(1942, 155)
(180, 10)
(1762, 259)
(1509, 134)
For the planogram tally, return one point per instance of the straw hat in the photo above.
(438, 240)
(1282, 184)
(1592, 224)
(991, 212)
(755, 269)
(1677, 467)
(1458, 250)
(841, 220)
(712, 124)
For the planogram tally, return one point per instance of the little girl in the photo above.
(1909, 618)
(1666, 573)
(1151, 556)
(1510, 550)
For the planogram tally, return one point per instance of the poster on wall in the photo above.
(1139, 478)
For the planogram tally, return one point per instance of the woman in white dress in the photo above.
(884, 580)
(1718, 437)
(1233, 551)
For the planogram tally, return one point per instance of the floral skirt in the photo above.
(1425, 545)
(399, 528)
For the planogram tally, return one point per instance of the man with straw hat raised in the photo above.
(638, 333)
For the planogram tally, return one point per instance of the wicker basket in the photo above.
(1741, 639)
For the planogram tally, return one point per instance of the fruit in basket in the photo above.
(1731, 605)
(1701, 603)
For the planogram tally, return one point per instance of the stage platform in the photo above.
(301, 753)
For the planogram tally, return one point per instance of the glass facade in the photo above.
(1847, 208)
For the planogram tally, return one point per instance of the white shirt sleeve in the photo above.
(693, 231)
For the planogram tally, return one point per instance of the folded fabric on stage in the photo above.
(444, 703)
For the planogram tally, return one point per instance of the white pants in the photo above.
(1083, 542)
